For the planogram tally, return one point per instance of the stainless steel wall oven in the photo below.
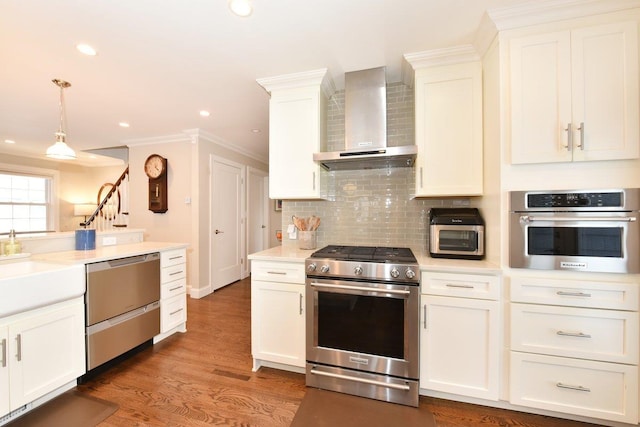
(362, 322)
(578, 230)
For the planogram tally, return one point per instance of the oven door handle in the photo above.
(361, 288)
(529, 219)
(361, 380)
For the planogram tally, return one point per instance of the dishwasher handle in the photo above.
(122, 262)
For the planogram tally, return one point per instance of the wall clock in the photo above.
(156, 169)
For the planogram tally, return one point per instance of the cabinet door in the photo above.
(605, 92)
(459, 346)
(46, 351)
(449, 130)
(278, 322)
(295, 129)
(540, 72)
(4, 370)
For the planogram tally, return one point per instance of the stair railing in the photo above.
(107, 215)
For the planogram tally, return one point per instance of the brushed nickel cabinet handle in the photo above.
(176, 312)
(4, 352)
(301, 303)
(573, 334)
(314, 180)
(581, 129)
(19, 347)
(569, 137)
(573, 294)
(282, 273)
(424, 319)
(454, 285)
(175, 289)
(573, 387)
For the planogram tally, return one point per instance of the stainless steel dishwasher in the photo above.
(122, 306)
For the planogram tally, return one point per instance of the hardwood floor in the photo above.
(204, 378)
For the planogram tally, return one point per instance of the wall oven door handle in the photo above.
(530, 218)
(362, 288)
(361, 380)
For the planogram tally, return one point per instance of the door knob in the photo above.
(218, 231)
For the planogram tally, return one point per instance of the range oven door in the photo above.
(578, 241)
(363, 326)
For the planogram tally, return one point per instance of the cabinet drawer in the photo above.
(176, 256)
(172, 273)
(461, 285)
(171, 289)
(173, 312)
(605, 335)
(575, 293)
(285, 272)
(581, 387)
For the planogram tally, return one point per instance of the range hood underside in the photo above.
(389, 157)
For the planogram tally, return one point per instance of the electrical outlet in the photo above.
(107, 241)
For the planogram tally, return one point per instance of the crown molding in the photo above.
(196, 135)
(544, 11)
(318, 77)
(436, 57)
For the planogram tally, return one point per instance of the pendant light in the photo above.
(60, 150)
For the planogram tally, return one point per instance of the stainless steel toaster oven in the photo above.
(456, 233)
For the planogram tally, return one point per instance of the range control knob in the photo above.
(311, 268)
(324, 269)
(395, 273)
(357, 271)
(410, 273)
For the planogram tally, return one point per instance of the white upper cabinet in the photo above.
(574, 95)
(297, 127)
(448, 126)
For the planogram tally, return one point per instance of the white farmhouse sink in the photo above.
(26, 285)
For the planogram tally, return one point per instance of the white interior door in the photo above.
(226, 222)
(257, 213)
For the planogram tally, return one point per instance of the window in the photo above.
(25, 202)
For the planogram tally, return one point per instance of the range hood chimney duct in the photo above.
(365, 120)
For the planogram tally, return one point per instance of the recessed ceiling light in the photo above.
(205, 113)
(241, 7)
(9, 141)
(255, 130)
(123, 124)
(86, 49)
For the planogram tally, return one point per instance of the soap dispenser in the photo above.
(12, 246)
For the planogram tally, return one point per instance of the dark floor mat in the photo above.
(70, 409)
(321, 408)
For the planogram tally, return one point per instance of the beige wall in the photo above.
(185, 222)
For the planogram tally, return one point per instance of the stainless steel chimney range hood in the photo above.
(366, 127)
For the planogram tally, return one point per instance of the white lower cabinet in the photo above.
(460, 334)
(277, 315)
(574, 347)
(42, 350)
(575, 386)
(173, 292)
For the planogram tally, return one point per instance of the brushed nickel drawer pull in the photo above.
(175, 289)
(424, 321)
(573, 294)
(573, 387)
(573, 334)
(454, 285)
(175, 257)
(176, 312)
(301, 303)
(282, 273)
(176, 272)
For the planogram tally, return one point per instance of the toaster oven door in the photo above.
(456, 241)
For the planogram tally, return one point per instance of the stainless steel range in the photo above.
(362, 322)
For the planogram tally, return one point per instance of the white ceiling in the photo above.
(160, 62)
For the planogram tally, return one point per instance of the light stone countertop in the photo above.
(106, 253)
(426, 262)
